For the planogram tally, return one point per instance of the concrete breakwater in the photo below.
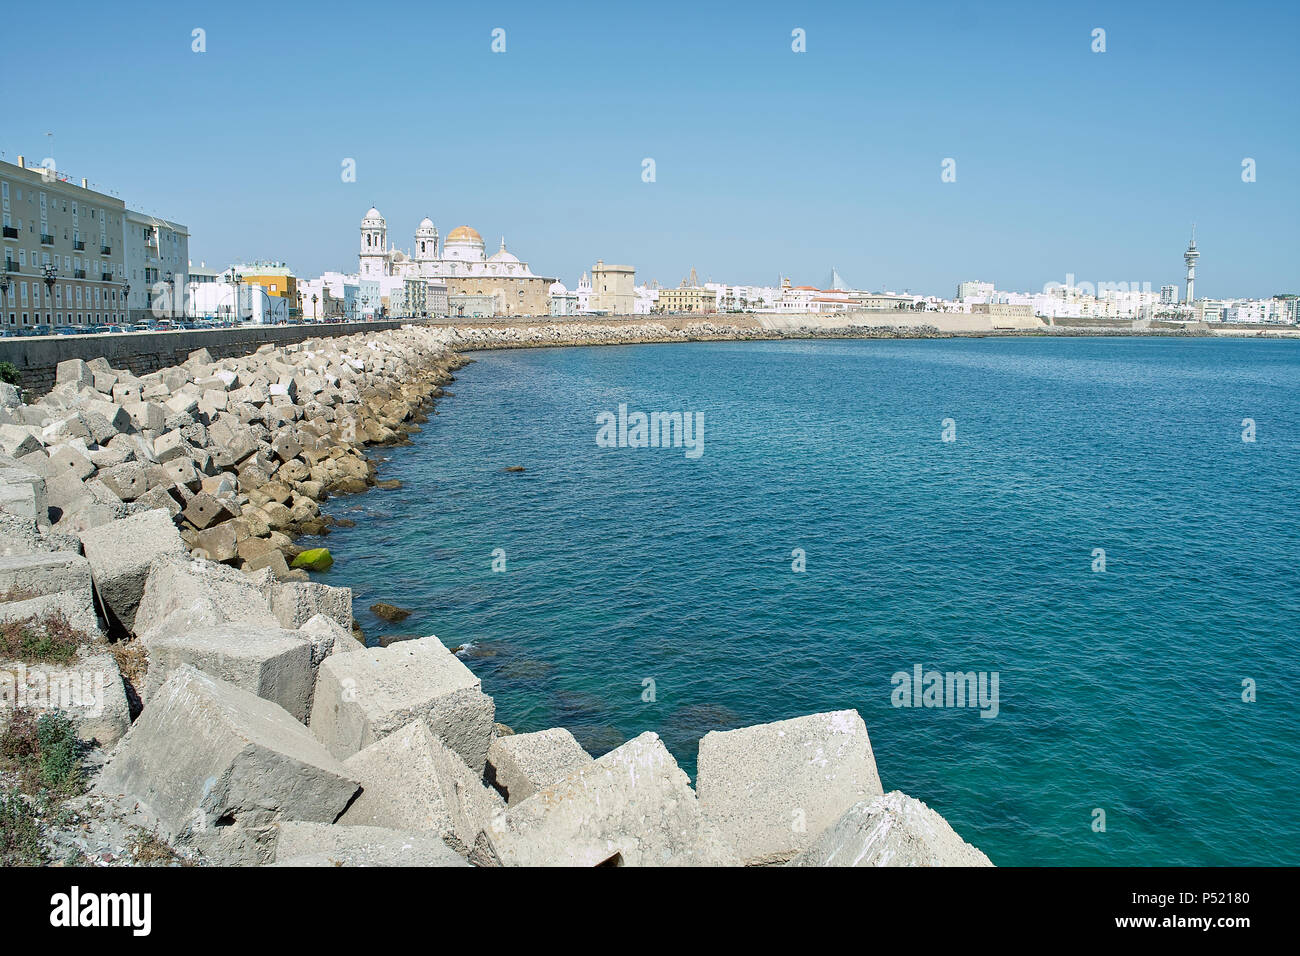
(37, 358)
(236, 709)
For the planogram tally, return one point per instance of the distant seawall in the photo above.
(144, 352)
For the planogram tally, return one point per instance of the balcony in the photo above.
(46, 239)
(11, 265)
(106, 277)
(79, 274)
(79, 245)
(11, 232)
(105, 250)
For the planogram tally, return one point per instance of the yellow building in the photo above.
(276, 278)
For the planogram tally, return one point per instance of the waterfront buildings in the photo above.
(459, 263)
(63, 255)
(690, 297)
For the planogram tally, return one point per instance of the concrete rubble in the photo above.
(232, 704)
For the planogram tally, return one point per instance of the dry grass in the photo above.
(41, 640)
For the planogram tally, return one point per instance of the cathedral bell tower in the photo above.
(374, 245)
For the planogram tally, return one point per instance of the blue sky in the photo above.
(768, 162)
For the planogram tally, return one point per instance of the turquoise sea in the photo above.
(1120, 689)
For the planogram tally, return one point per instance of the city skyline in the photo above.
(787, 163)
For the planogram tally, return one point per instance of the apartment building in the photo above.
(63, 251)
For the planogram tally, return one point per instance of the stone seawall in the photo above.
(144, 352)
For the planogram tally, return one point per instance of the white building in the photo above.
(974, 289)
(157, 266)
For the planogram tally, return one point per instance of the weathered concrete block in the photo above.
(891, 830)
(327, 638)
(120, 554)
(74, 372)
(411, 780)
(218, 542)
(631, 807)
(181, 593)
(204, 510)
(18, 440)
(522, 764)
(363, 696)
(128, 480)
(218, 767)
(170, 445)
(296, 602)
(74, 606)
(68, 460)
(88, 691)
(273, 663)
(31, 575)
(320, 844)
(773, 788)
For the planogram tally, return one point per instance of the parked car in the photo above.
(63, 330)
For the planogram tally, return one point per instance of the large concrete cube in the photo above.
(184, 593)
(363, 696)
(88, 691)
(272, 663)
(772, 789)
(632, 807)
(297, 602)
(120, 554)
(410, 780)
(218, 767)
(522, 764)
(26, 576)
(320, 844)
(891, 830)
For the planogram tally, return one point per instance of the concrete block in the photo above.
(411, 780)
(204, 510)
(273, 663)
(296, 602)
(320, 844)
(121, 553)
(128, 480)
(891, 830)
(74, 372)
(363, 696)
(772, 789)
(522, 764)
(631, 807)
(218, 767)
(328, 638)
(31, 575)
(88, 691)
(180, 592)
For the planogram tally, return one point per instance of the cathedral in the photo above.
(460, 263)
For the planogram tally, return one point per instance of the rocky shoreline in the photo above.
(227, 709)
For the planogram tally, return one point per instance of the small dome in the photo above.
(502, 255)
(557, 288)
(464, 234)
(426, 224)
(373, 214)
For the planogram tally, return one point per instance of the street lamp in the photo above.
(313, 307)
(4, 289)
(234, 284)
(171, 305)
(49, 280)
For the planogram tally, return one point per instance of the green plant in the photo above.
(9, 374)
(59, 750)
(44, 751)
(20, 832)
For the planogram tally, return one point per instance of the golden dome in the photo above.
(463, 234)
